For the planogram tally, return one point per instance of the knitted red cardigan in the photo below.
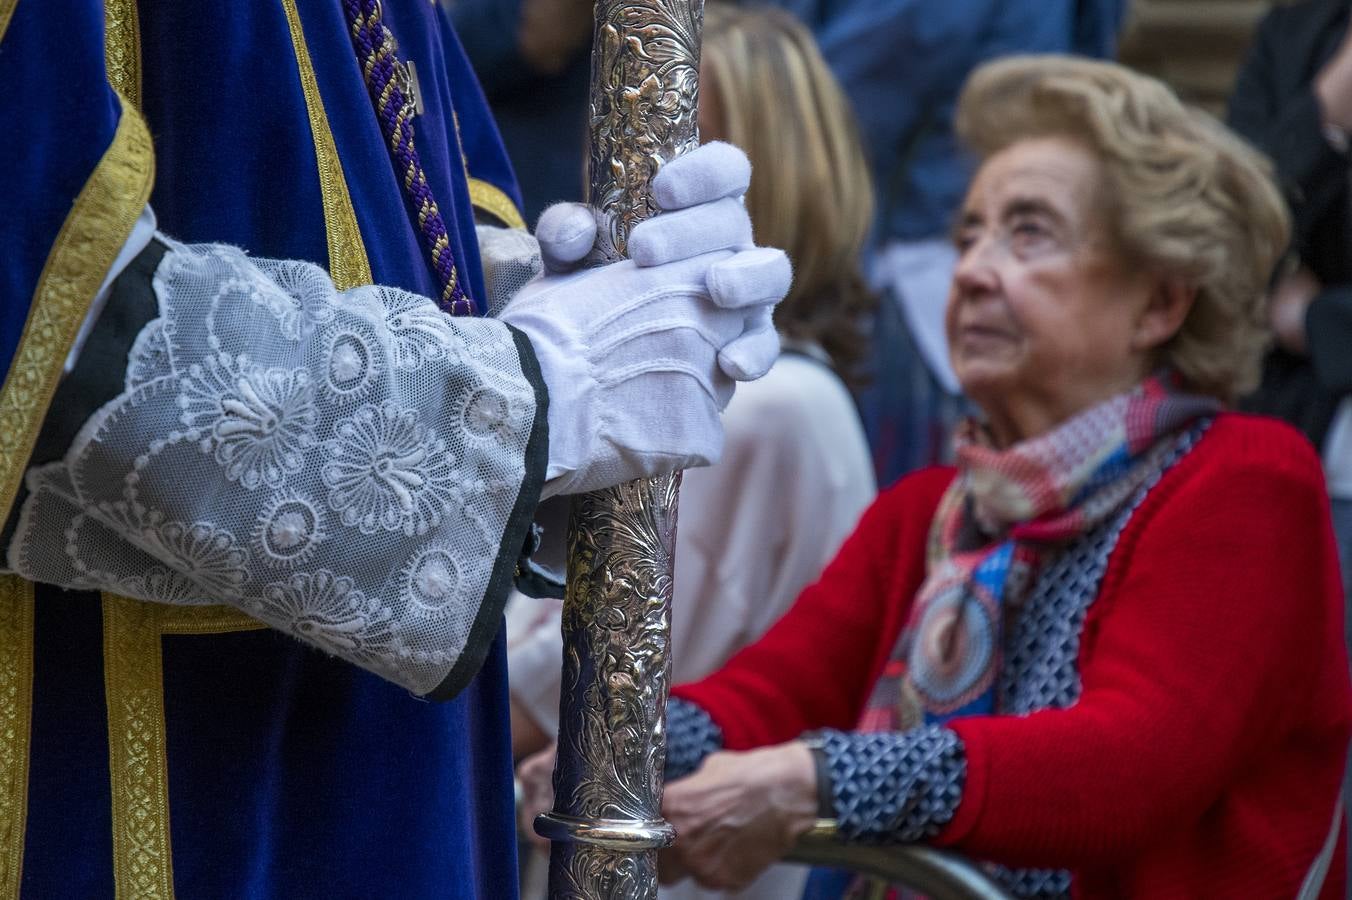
(1205, 754)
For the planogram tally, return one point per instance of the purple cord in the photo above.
(381, 69)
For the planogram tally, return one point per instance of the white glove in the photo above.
(640, 356)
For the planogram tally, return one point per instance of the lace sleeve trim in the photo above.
(356, 469)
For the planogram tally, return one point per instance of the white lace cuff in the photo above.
(356, 469)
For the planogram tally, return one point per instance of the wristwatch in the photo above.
(815, 742)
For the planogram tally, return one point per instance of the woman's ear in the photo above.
(1169, 304)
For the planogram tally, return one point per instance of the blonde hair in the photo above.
(810, 193)
(1184, 197)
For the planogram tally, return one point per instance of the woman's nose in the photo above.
(975, 270)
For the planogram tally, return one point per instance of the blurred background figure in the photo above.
(758, 527)
(1293, 99)
(532, 59)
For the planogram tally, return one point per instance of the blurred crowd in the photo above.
(1091, 632)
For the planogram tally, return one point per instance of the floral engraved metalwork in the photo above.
(607, 823)
(644, 97)
(616, 672)
(620, 545)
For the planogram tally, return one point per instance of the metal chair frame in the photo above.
(936, 874)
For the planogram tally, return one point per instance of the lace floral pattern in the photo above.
(326, 610)
(206, 555)
(435, 579)
(302, 304)
(486, 414)
(342, 467)
(386, 470)
(289, 530)
(352, 363)
(149, 358)
(421, 332)
(257, 422)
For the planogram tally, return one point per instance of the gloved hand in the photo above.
(640, 356)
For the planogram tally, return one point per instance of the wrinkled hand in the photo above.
(738, 814)
(640, 356)
(536, 777)
(1290, 301)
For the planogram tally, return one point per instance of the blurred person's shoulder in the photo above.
(801, 421)
(799, 399)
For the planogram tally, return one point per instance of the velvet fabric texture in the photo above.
(62, 142)
(289, 774)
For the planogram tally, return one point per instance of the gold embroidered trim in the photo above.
(202, 619)
(6, 11)
(134, 686)
(460, 141)
(494, 200)
(348, 265)
(84, 250)
(137, 751)
(122, 48)
(16, 711)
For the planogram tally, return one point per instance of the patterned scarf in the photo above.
(993, 529)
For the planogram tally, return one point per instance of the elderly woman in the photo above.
(1105, 653)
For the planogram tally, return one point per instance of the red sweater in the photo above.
(1206, 751)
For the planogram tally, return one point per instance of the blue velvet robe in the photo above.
(142, 751)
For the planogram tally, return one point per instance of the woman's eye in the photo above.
(1030, 232)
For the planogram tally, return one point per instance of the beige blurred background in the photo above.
(1195, 45)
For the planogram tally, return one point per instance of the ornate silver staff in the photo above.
(606, 825)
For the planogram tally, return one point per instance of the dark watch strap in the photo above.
(826, 802)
